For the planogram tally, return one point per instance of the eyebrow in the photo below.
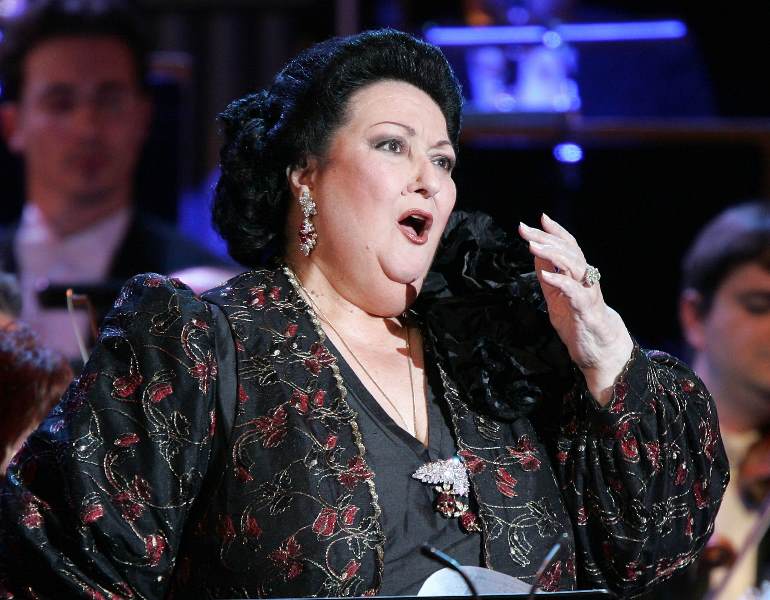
(411, 131)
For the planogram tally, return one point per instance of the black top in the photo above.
(408, 514)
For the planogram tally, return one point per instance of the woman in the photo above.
(271, 437)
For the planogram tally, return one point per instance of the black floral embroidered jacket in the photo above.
(208, 450)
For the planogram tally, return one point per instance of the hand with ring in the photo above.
(595, 335)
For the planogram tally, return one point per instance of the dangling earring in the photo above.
(307, 233)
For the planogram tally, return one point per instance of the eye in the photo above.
(392, 145)
(444, 162)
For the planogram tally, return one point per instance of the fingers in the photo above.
(557, 230)
(556, 246)
(571, 289)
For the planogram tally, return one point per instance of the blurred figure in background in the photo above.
(725, 316)
(10, 298)
(75, 108)
(32, 379)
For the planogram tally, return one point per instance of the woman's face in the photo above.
(384, 192)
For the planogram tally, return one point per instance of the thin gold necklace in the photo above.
(413, 429)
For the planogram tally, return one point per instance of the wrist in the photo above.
(602, 376)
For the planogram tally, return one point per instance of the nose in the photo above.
(425, 180)
(86, 120)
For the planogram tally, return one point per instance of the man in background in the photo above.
(725, 316)
(76, 109)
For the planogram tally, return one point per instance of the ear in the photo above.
(692, 319)
(302, 176)
(10, 126)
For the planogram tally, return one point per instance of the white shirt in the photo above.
(43, 257)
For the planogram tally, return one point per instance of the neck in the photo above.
(346, 317)
(741, 408)
(67, 215)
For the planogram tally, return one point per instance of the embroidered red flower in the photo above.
(243, 475)
(154, 544)
(286, 557)
(243, 397)
(473, 463)
(331, 442)
(681, 474)
(525, 454)
(582, 516)
(91, 513)
(355, 472)
(319, 357)
(469, 522)
(318, 398)
(252, 528)
(688, 526)
(300, 401)
(153, 282)
(562, 457)
(130, 509)
(629, 448)
(325, 522)
(350, 569)
(225, 528)
(619, 395)
(349, 514)
(125, 386)
(549, 581)
(126, 440)
(505, 483)
(291, 330)
(700, 498)
(31, 517)
(272, 427)
(257, 297)
(159, 391)
(688, 385)
(205, 371)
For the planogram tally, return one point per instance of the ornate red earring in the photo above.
(307, 233)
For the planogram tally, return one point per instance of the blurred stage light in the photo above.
(568, 153)
(568, 32)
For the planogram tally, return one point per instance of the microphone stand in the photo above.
(450, 562)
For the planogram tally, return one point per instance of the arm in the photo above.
(642, 476)
(94, 504)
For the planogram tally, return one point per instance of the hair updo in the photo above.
(294, 119)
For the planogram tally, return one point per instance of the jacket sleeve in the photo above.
(94, 504)
(642, 477)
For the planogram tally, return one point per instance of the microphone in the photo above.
(450, 562)
(547, 563)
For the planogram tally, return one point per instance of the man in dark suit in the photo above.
(76, 110)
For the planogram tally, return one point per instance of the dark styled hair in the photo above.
(48, 19)
(294, 119)
(737, 236)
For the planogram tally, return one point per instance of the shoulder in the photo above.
(151, 244)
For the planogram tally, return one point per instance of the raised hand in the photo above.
(595, 335)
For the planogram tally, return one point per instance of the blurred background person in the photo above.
(32, 377)
(10, 298)
(76, 109)
(725, 316)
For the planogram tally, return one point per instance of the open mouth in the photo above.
(415, 225)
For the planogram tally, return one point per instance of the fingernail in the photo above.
(521, 224)
(547, 217)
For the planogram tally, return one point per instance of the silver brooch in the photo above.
(450, 472)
